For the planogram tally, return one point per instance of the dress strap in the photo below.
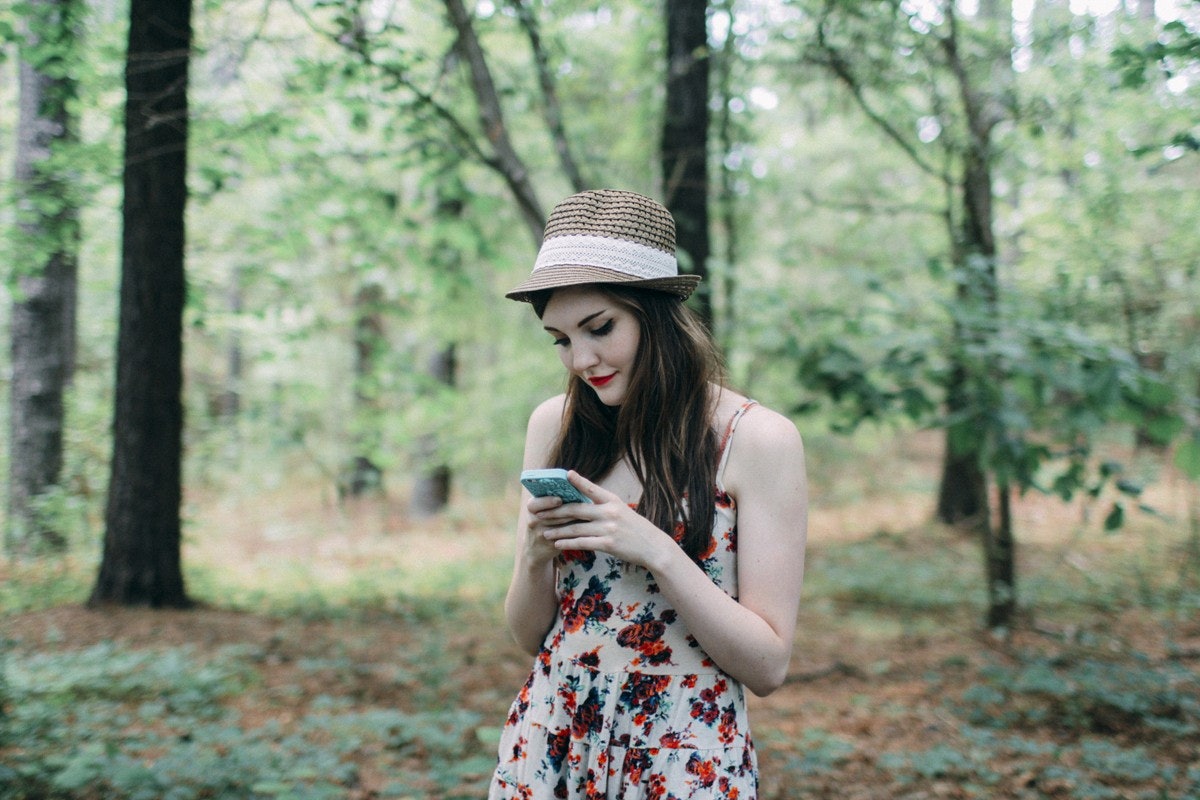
(724, 448)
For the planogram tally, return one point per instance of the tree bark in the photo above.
(491, 118)
(552, 110)
(433, 477)
(685, 138)
(141, 563)
(362, 475)
(999, 552)
(431, 487)
(962, 491)
(43, 313)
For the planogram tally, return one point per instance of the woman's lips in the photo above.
(602, 380)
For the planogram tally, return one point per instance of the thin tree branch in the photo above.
(837, 64)
(552, 109)
(491, 117)
(460, 137)
(873, 208)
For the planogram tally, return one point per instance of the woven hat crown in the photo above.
(607, 236)
(615, 214)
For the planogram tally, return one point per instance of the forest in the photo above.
(264, 401)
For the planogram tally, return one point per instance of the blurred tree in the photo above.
(955, 99)
(141, 563)
(43, 314)
(685, 138)
(432, 481)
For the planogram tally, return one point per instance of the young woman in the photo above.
(650, 608)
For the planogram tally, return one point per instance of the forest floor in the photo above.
(894, 691)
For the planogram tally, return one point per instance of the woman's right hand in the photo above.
(538, 548)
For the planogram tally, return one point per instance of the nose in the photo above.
(583, 357)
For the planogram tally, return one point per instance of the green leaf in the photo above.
(1115, 518)
(1129, 487)
(1187, 456)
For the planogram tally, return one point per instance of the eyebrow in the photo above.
(581, 322)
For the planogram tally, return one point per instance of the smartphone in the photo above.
(544, 482)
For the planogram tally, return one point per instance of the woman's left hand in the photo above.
(607, 524)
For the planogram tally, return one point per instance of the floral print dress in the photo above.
(622, 703)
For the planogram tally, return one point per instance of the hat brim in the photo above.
(557, 277)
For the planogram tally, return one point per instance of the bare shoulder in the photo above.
(762, 429)
(549, 412)
(545, 422)
(766, 446)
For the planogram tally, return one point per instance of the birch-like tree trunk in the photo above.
(43, 313)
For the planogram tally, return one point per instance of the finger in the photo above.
(541, 504)
(595, 493)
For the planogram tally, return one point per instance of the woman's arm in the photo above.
(532, 603)
(749, 637)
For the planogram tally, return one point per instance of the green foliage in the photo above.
(1087, 695)
(820, 752)
(1042, 392)
(106, 721)
(896, 574)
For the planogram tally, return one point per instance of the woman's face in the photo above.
(597, 339)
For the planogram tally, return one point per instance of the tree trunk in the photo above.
(491, 120)
(431, 488)
(962, 493)
(362, 474)
(999, 552)
(141, 563)
(230, 404)
(685, 139)
(723, 293)
(432, 484)
(43, 313)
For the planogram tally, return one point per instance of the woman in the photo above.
(650, 608)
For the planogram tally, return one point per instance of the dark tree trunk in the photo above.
(43, 313)
(685, 138)
(431, 488)
(362, 475)
(230, 404)
(433, 477)
(962, 493)
(999, 553)
(141, 563)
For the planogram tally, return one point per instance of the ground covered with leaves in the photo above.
(349, 655)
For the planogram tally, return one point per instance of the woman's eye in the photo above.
(604, 329)
(561, 341)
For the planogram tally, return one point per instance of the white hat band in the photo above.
(601, 251)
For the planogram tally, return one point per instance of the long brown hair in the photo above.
(664, 426)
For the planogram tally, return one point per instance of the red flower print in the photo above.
(727, 729)
(643, 695)
(557, 747)
(591, 605)
(587, 718)
(645, 636)
(590, 659)
(637, 761)
(705, 709)
(705, 771)
(585, 557)
(672, 740)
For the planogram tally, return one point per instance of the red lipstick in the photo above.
(601, 381)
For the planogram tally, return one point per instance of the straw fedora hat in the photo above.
(607, 236)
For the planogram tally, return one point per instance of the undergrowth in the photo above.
(106, 721)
